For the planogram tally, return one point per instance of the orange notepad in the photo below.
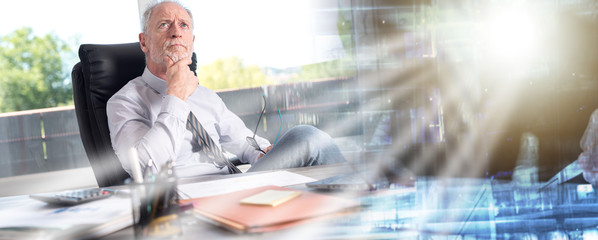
(227, 209)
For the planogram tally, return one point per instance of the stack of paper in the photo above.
(241, 182)
(35, 219)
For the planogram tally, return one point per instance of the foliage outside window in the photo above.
(33, 74)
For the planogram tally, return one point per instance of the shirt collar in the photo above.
(154, 82)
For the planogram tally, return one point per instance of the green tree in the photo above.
(32, 74)
(231, 73)
(338, 68)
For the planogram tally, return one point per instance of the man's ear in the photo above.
(142, 42)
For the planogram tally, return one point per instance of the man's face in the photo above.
(169, 34)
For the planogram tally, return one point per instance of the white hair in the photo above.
(150, 7)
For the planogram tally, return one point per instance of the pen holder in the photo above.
(155, 208)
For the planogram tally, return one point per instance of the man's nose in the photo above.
(176, 31)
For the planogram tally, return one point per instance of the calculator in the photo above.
(74, 197)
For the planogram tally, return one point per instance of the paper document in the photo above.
(33, 219)
(270, 197)
(210, 188)
(35, 213)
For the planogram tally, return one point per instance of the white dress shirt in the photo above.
(142, 116)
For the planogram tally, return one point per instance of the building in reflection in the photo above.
(468, 88)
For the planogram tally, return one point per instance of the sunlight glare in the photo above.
(510, 35)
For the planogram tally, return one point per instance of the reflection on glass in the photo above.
(251, 140)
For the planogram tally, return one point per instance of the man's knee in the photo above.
(308, 133)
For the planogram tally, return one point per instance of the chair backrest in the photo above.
(103, 70)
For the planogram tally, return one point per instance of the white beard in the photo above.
(157, 54)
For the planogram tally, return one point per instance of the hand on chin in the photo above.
(176, 57)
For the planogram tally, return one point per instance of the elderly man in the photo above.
(165, 115)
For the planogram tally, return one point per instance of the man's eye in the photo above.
(184, 25)
(163, 25)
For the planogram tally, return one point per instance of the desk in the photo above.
(194, 227)
(437, 209)
(445, 209)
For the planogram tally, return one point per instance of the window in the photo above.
(38, 48)
(271, 46)
(467, 81)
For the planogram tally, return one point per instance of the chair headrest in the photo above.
(109, 67)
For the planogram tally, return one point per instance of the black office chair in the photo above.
(103, 70)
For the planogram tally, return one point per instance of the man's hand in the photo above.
(180, 81)
(265, 150)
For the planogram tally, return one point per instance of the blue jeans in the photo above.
(300, 146)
